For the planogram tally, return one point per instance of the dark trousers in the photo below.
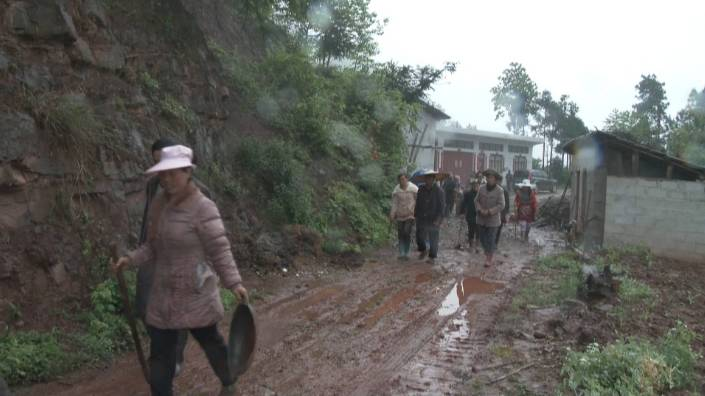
(472, 230)
(448, 209)
(404, 234)
(428, 233)
(499, 233)
(488, 239)
(145, 275)
(162, 358)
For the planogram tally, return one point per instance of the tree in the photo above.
(349, 33)
(557, 121)
(651, 108)
(414, 83)
(628, 125)
(687, 140)
(515, 97)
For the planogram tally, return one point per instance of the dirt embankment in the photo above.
(86, 87)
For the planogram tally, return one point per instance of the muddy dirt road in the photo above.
(387, 327)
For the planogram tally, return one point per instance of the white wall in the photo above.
(425, 156)
(666, 215)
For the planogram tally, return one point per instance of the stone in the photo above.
(58, 273)
(539, 335)
(41, 20)
(81, 52)
(19, 136)
(94, 10)
(6, 268)
(36, 77)
(110, 58)
(4, 389)
(11, 178)
(4, 61)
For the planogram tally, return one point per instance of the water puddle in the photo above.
(423, 277)
(457, 330)
(464, 289)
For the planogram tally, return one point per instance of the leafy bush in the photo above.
(635, 367)
(30, 357)
(107, 330)
(349, 205)
(279, 173)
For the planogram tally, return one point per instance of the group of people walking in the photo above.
(183, 245)
(485, 204)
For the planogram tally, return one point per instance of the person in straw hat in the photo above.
(526, 206)
(187, 245)
(489, 203)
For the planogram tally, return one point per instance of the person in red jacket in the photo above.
(526, 207)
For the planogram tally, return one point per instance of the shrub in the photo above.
(635, 367)
(278, 172)
(349, 205)
(107, 330)
(30, 357)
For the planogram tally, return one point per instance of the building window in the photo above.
(491, 146)
(497, 162)
(518, 149)
(481, 162)
(458, 143)
(519, 163)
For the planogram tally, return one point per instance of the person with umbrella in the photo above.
(489, 203)
(429, 214)
(186, 242)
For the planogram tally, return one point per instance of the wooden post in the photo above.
(669, 171)
(635, 164)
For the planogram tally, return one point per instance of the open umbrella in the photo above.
(418, 176)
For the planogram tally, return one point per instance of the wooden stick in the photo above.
(130, 317)
(520, 369)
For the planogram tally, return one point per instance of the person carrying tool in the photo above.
(526, 206)
(505, 211)
(489, 203)
(145, 273)
(429, 214)
(402, 213)
(186, 241)
(467, 207)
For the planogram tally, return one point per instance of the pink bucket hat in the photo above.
(173, 157)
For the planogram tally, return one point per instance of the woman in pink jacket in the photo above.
(188, 245)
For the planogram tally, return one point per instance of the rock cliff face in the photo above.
(85, 88)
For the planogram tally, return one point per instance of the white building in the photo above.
(423, 138)
(464, 152)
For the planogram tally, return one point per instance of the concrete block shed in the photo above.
(624, 193)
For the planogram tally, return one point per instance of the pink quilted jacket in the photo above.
(187, 243)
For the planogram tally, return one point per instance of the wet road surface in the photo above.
(389, 327)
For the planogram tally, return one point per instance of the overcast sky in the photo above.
(595, 51)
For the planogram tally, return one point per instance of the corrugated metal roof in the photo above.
(571, 147)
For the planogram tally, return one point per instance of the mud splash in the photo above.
(464, 289)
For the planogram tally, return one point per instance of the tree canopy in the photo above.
(515, 96)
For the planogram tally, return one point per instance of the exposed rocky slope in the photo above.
(85, 87)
